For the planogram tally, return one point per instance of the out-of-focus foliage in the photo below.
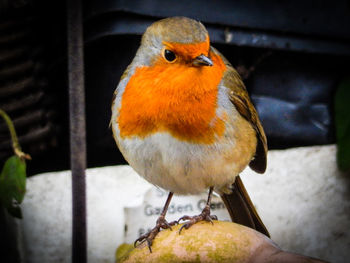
(13, 185)
(13, 174)
(342, 123)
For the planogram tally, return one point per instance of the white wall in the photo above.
(302, 198)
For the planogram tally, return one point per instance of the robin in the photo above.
(182, 118)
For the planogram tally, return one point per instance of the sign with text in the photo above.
(140, 219)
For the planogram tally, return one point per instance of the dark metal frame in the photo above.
(77, 128)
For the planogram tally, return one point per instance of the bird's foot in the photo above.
(204, 216)
(150, 236)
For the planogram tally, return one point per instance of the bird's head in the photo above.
(172, 83)
(177, 41)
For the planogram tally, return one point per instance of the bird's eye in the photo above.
(169, 55)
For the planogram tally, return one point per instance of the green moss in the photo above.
(123, 252)
(221, 242)
(226, 251)
(196, 260)
(222, 254)
(167, 258)
(191, 244)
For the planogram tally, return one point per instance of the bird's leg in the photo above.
(204, 216)
(161, 223)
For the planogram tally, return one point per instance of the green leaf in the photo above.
(342, 124)
(13, 184)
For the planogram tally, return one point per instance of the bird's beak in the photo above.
(202, 61)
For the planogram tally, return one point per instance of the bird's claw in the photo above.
(204, 216)
(165, 224)
(150, 236)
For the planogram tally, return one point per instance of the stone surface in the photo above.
(211, 243)
(303, 200)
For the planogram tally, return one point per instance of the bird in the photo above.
(183, 120)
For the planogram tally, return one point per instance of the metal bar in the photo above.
(77, 129)
(36, 116)
(225, 35)
(24, 102)
(36, 135)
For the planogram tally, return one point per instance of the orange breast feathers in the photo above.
(176, 98)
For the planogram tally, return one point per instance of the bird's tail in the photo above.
(241, 208)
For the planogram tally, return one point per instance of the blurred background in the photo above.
(293, 56)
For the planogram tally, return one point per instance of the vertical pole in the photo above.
(77, 129)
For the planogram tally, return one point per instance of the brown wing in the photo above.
(238, 203)
(240, 98)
